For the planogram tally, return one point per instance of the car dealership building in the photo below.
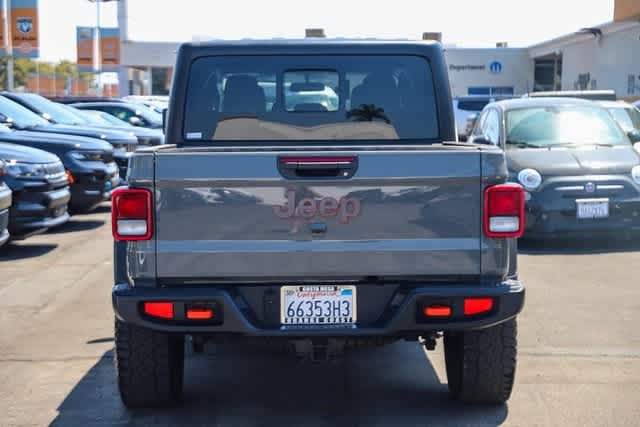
(603, 57)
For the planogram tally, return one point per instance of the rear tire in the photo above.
(149, 366)
(481, 364)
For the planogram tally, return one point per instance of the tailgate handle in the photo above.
(314, 167)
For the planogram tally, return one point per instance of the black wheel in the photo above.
(481, 364)
(149, 366)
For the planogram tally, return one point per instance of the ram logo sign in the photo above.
(309, 207)
(24, 25)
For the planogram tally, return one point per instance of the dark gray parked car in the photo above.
(55, 118)
(130, 112)
(101, 119)
(40, 190)
(579, 168)
(88, 162)
(314, 225)
(5, 204)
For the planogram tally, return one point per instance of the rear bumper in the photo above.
(401, 319)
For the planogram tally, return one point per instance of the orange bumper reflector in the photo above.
(70, 178)
(200, 314)
(437, 311)
(474, 306)
(162, 310)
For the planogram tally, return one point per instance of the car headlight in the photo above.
(25, 170)
(635, 174)
(89, 156)
(530, 179)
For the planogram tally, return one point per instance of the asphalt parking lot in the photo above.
(579, 356)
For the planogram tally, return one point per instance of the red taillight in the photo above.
(200, 314)
(162, 310)
(473, 306)
(437, 311)
(504, 211)
(131, 214)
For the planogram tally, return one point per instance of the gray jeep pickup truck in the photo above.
(310, 199)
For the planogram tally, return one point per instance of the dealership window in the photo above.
(548, 73)
(160, 80)
(631, 84)
(494, 91)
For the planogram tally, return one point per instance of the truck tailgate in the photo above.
(261, 216)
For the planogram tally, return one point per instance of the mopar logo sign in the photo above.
(495, 67)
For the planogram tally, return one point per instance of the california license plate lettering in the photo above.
(318, 305)
(591, 209)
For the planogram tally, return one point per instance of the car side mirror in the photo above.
(7, 121)
(634, 136)
(480, 139)
(135, 121)
(637, 146)
(164, 119)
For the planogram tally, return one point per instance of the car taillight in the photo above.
(131, 214)
(162, 310)
(474, 306)
(504, 211)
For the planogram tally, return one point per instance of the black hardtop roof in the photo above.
(310, 46)
(517, 103)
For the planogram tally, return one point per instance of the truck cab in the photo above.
(333, 210)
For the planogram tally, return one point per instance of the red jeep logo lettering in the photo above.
(307, 208)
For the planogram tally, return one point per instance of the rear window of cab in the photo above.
(310, 98)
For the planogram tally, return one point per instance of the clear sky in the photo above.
(467, 23)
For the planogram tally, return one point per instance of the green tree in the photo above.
(22, 67)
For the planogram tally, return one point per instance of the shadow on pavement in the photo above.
(100, 340)
(75, 225)
(16, 251)
(579, 246)
(230, 386)
(104, 208)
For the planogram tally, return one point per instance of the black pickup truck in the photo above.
(310, 197)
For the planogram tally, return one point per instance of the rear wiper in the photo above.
(522, 144)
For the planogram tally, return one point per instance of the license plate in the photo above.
(593, 208)
(318, 305)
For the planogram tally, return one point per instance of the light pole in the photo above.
(8, 44)
(96, 45)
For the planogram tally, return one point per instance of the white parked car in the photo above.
(627, 116)
(465, 107)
